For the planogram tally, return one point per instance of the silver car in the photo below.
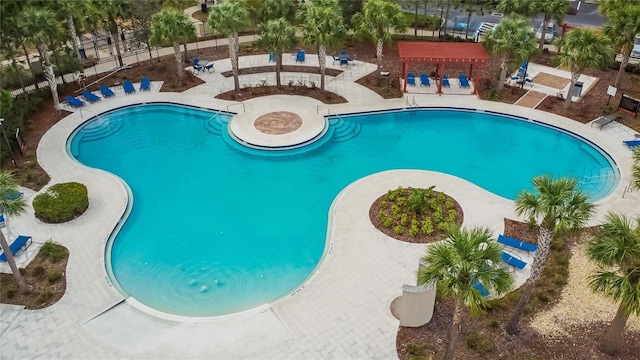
(635, 52)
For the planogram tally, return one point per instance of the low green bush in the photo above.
(61, 203)
(54, 276)
(38, 271)
(53, 251)
(45, 296)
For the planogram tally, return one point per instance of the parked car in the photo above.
(549, 34)
(635, 52)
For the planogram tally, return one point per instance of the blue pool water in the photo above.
(214, 230)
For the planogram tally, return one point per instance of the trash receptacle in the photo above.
(577, 88)
(203, 7)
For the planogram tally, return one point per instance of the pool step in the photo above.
(217, 124)
(598, 181)
(344, 130)
(101, 128)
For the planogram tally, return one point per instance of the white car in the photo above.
(635, 52)
(549, 34)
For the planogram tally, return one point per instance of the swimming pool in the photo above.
(214, 230)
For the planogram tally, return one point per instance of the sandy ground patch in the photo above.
(578, 304)
(553, 81)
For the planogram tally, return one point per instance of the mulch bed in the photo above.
(482, 338)
(285, 68)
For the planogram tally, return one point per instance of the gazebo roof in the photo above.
(442, 52)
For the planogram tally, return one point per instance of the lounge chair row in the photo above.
(21, 243)
(424, 80)
(145, 85)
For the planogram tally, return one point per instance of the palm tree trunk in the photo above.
(74, 35)
(454, 332)
(574, 78)
(503, 74)
(184, 45)
(611, 341)
(545, 23)
(14, 64)
(379, 54)
(51, 77)
(149, 49)
(544, 245)
(322, 61)
(415, 22)
(116, 41)
(278, 64)
(178, 55)
(26, 55)
(233, 56)
(22, 285)
(623, 65)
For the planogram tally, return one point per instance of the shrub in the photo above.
(38, 271)
(45, 296)
(61, 203)
(10, 293)
(53, 251)
(54, 276)
(480, 344)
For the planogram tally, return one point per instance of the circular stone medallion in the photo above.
(278, 123)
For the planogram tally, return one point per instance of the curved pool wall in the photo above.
(166, 240)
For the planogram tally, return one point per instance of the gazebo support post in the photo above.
(440, 74)
(405, 71)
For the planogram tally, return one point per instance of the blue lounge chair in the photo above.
(411, 79)
(632, 143)
(128, 87)
(424, 80)
(515, 243)
(145, 84)
(12, 195)
(106, 92)
(91, 97)
(478, 286)
(344, 61)
(21, 243)
(464, 82)
(272, 57)
(2, 221)
(445, 81)
(513, 261)
(209, 67)
(74, 101)
(300, 56)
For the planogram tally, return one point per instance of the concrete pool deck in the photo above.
(342, 311)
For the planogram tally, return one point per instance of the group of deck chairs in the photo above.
(21, 242)
(424, 80)
(106, 92)
(509, 258)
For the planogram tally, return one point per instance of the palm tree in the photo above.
(512, 40)
(582, 49)
(520, 7)
(322, 26)
(552, 10)
(616, 249)
(635, 170)
(172, 26)
(112, 11)
(555, 208)
(10, 206)
(228, 19)
(275, 9)
(67, 9)
(276, 36)
(457, 265)
(377, 19)
(606, 6)
(621, 28)
(38, 24)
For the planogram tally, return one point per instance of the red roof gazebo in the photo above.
(442, 53)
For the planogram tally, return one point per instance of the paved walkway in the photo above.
(341, 312)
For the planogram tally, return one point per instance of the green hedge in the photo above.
(61, 203)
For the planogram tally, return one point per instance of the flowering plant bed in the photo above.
(415, 215)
